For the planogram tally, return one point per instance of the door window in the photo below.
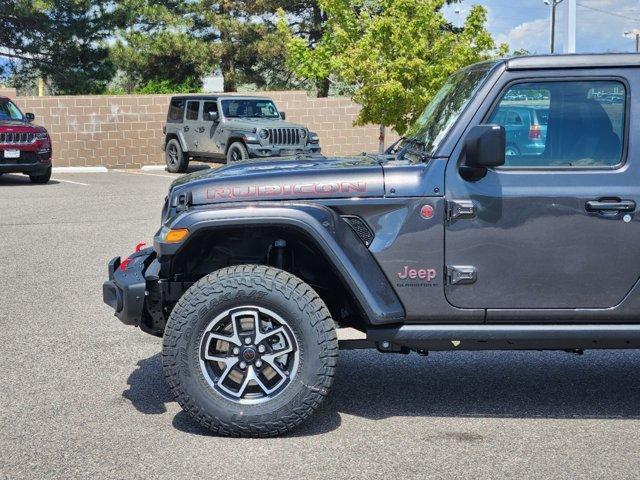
(209, 111)
(563, 124)
(176, 110)
(192, 110)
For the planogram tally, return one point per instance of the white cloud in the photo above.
(532, 36)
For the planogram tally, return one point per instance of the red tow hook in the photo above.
(125, 263)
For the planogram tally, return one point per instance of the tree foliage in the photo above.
(62, 40)
(393, 54)
(179, 42)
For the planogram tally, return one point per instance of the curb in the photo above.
(80, 170)
(153, 168)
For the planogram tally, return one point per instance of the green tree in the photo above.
(178, 42)
(63, 41)
(393, 54)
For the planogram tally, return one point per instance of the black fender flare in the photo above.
(332, 235)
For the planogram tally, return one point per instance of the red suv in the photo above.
(24, 148)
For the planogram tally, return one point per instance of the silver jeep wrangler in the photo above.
(231, 127)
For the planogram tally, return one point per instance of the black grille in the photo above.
(360, 227)
(284, 136)
(14, 138)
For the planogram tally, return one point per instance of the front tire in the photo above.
(237, 152)
(175, 158)
(41, 177)
(250, 351)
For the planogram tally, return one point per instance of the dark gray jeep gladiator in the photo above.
(444, 243)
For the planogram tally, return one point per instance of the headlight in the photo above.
(303, 133)
(42, 135)
(250, 138)
(313, 137)
(264, 133)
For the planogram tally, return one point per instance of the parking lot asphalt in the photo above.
(83, 396)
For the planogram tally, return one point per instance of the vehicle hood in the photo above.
(284, 179)
(18, 126)
(255, 123)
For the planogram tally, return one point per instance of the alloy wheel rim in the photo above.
(248, 355)
(173, 155)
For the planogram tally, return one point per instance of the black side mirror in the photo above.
(484, 147)
(283, 115)
(30, 117)
(211, 116)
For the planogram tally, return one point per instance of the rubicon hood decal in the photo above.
(286, 179)
(329, 189)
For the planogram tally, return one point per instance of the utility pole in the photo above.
(634, 33)
(570, 40)
(552, 40)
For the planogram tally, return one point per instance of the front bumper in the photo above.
(257, 150)
(30, 161)
(126, 289)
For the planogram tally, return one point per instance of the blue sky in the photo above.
(525, 23)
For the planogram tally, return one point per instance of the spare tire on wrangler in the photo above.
(250, 351)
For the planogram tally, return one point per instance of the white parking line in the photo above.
(70, 181)
(143, 173)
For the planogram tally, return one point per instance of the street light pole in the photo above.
(552, 40)
(634, 33)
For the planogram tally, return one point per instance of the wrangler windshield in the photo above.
(445, 108)
(249, 108)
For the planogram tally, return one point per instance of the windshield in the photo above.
(249, 108)
(9, 111)
(446, 106)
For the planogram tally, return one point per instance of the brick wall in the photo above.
(126, 131)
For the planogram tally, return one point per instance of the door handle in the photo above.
(610, 205)
(186, 129)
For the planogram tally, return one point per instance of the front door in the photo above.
(555, 227)
(210, 122)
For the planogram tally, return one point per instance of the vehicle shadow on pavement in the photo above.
(149, 394)
(9, 180)
(600, 384)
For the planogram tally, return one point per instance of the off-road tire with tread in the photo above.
(181, 162)
(239, 150)
(266, 287)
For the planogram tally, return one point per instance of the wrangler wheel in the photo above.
(176, 160)
(237, 152)
(250, 351)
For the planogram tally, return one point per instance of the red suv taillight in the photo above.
(534, 132)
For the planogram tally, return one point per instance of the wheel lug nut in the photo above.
(243, 365)
(259, 363)
(247, 341)
(236, 351)
(261, 348)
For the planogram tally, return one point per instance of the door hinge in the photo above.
(461, 275)
(457, 209)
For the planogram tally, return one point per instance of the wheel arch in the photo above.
(233, 138)
(324, 250)
(179, 137)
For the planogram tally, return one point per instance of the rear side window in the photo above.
(176, 110)
(192, 110)
(563, 124)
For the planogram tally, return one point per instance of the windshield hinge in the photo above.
(183, 201)
(458, 209)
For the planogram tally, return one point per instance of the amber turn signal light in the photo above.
(176, 235)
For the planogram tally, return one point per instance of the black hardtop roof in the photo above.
(214, 96)
(583, 60)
